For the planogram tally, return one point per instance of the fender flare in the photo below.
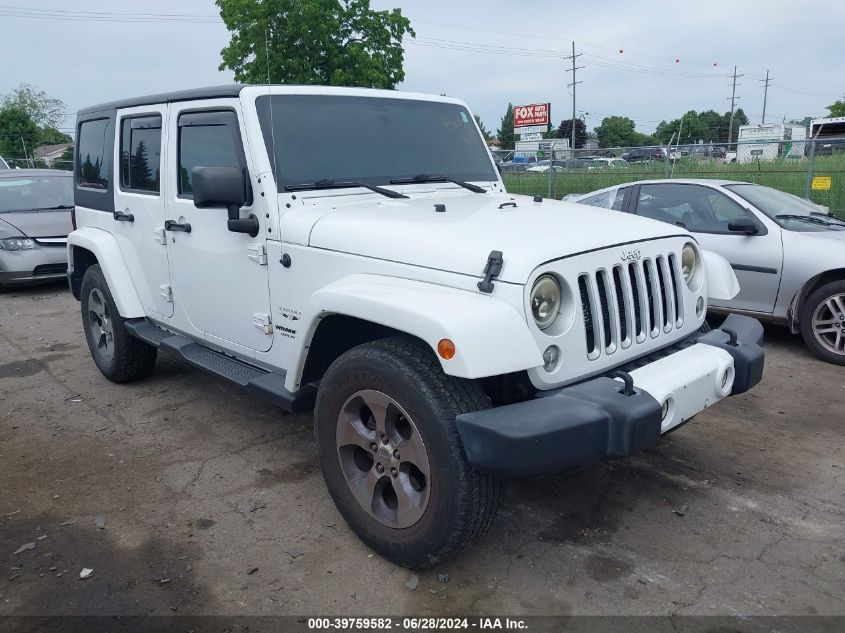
(105, 248)
(490, 336)
(722, 283)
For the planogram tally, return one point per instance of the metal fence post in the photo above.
(666, 162)
(551, 165)
(812, 159)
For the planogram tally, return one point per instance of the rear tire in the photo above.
(822, 322)
(377, 402)
(119, 356)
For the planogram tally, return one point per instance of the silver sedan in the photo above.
(788, 253)
(35, 219)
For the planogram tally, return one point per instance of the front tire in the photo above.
(392, 457)
(822, 322)
(119, 356)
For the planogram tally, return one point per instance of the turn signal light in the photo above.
(446, 349)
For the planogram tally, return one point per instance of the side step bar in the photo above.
(268, 384)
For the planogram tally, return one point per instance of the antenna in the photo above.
(270, 103)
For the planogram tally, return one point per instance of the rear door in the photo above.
(138, 218)
(756, 259)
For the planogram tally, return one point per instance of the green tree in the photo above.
(837, 108)
(484, 131)
(44, 110)
(617, 131)
(18, 133)
(564, 130)
(51, 136)
(505, 132)
(324, 42)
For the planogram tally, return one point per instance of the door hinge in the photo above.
(262, 321)
(160, 236)
(257, 253)
(166, 291)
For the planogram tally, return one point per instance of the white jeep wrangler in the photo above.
(356, 251)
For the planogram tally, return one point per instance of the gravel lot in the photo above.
(184, 494)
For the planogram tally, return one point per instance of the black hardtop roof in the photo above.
(211, 92)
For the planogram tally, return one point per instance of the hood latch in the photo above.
(492, 269)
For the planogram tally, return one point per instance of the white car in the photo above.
(788, 253)
(286, 238)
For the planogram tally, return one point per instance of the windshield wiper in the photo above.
(437, 178)
(328, 183)
(812, 219)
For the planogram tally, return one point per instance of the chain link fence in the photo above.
(812, 169)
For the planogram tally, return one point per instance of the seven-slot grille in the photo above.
(630, 303)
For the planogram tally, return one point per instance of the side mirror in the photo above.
(218, 187)
(743, 225)
(224, 187)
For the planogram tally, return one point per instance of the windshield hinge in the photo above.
(491, 269)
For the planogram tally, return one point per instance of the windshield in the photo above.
(790, 211)
(35, 192)
(370, 140)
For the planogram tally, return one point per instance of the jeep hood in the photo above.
(460, 238)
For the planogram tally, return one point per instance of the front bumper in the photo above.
(40, 264)
(574, 426)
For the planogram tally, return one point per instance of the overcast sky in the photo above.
(486, 53)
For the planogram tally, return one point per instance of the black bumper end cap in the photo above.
(741, 337)
(563, 430)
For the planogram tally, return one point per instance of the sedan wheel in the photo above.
(822, 322)
(829, 323)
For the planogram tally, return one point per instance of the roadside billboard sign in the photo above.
(532, 114)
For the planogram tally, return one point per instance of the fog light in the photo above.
(699, 307)
(664, 409)
(550, 358)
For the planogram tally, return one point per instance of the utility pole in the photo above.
(733, 104)
(574, 83)
(765, 83)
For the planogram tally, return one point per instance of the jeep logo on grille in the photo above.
(631, 255)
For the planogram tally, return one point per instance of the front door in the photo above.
(220, 280)
(706, 212)
(138, 220)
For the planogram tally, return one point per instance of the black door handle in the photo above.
(170, 225)
(120, 216)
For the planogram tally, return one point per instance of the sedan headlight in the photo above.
(689, 263)
(18, 244)
(545, 301)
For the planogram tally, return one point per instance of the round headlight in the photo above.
(545, 301)
(689, 263)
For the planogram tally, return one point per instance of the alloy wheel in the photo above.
(383, 458)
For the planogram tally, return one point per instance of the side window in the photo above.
(93, 154)
(725, 209)
(695, 207)
(207, 139)
(140, 154)
(613, 199)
